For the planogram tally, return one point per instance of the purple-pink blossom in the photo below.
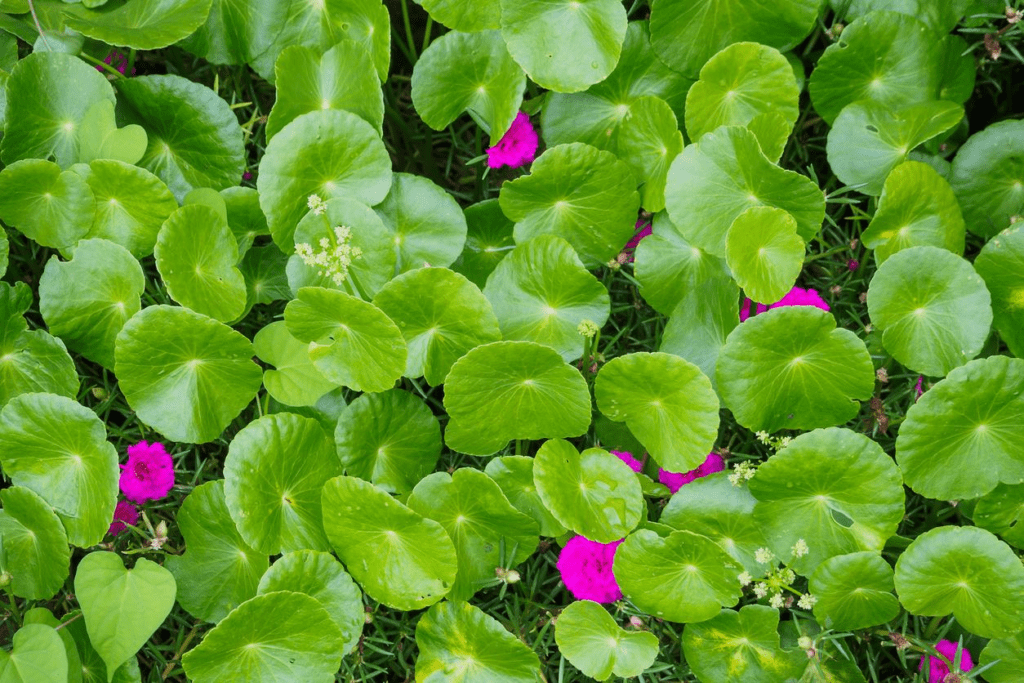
(676, 480)
(148, 474)
(517, 146)
(938, 669)
(917, 388)
(628, 458)
(116, 60)
(586, 568)
(794, 297)
(124, 513)
(641, 230)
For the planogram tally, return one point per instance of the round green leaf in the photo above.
(579, 193)
(987, 177)
(86, 301)
(1007, 655)
(514, 475)
(100, 138)
(1001, 511)
(700, 324)
(48, 94)
(541, 293)
(35, 544)
(184, 374)
(425, 223)
(244, 215)
(486, 530)
(966, 571)
(768, 362)
(468, 72)
(520, 390)
(237, 32)
(940, 16)
(834, 488)
(854, 591)
(725, 173)
(459, 643)
(399, 558)
(764, 252)
(741, 645)
(687, 33)
(53, 208)
(649, 139)
(296, 381)
(592, 642)
(194, 136)
(122, 608)
(341, 78)
(772, 132)
(391, 439)
(666, 402)
(41, 615)
(917, 209)
(37, 654)
(488, 241)
(320, 576)
(196, 255)
(139, 24)
(592, 493)
(218, 570)
(683, 577)
(968, 422)
(441, 314)
(279, 636)
(564, 46)
(58, 449)
(329, 153)
(1001, 265)
(351, 342)
(464, 15)
(739, 83)
(266, 277)
(868, 139)
(918, 298)
(32, 360)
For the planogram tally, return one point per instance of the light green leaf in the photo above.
(41, 615)
(37, 655)
(266, 277)
(940, 16)
(1001, 265)
(92, 666)
(100, 138)
(592, 642)
(35, 544)
(1007, 655)
(741, 645)
(237, 31)
(464, 15)
(649, 139)
(52, 207)
(244, 216)
(425, 224)
(488, 241)
(764, 252)
(701, 322)
(1001, 511)
(296, 381)
(139, 24)
(987, 177)
(514, 475)
(854, 591)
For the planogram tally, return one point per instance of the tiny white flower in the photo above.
(764, 556)
(760, 590)
(316, 204)
(806, 601)
(787, 576)
(777, 601)
(746, 579)
(800, 549)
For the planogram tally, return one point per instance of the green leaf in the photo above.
(329, 153)
(37, 655)
(351, 342)
(210, 199)
(122, 608)
(854, 591)
(649, 139)
(296, 381)
(279, 636)
(194, 136)
(41, 615)
(100, 138)
(541, 293)
(488, 241)
(425, 224)
(769, 360)
(592, 642)
(918, 298)
(683, 577)
(34, 542)
(965, 571)
(274, 500)
(687, 33)
(917, 209)
(58, 449)
(468, 72)
(320, 576)
(987, 177)
(92, 666)
(236, 32)
(139, 24)
(486, 530)
(741, 645)
(966, 423)
(218, 571)
(834, 488)
(592, 493)
(5, 248)
(579, 193)
(459, 643)
(666, 402)
(341, 78)
(35, 361)
(244, 216)
(519, 390)
(1001, 511)
(868, 139)
(701, 322)
(725, 173)
(514, 475)
(1001, 265)
(266, 278)
(184, 374)
(464, 15)
(52, 207)
(48, 95)
(399, 557)
(196, 255)
(942, 17)
(764, 252)
(87, 300)
(1007, 655)
(772, 131)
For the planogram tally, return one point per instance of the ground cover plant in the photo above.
(509, 340)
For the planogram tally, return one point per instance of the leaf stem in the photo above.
(35, 18)
(408, 32)
(13, 606)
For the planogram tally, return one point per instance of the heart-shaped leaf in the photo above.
(38, 655)
(1001, 265)
(296, 381)
(100, 138)
(764, 252)
(854, 591)
(35, 544)
(592, 642)
(92, 666)
(741, 645)
(514, 475)
(139, 24)
(52, 207)
(425, 223)
(988, 177)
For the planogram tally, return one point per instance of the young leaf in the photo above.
(592, 642)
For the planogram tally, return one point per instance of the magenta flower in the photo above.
(641, 230)
(116, 60)
(586, 568)
(938, 669)
(517, 146)
(628, 458)
(795, 297)
(853, 264)
(149, 473)
(676, 480)
(917, 388)
(247, 176)
(124, 513)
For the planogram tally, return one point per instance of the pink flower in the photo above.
(517, 146)
(247, 176)
(124, 513)
(675, 480)
(641, 230)
(628, 458)
(938, 669)
(917, 388)
(116, 60)
(586, 568)
(149, 473)
(795, 297)
(853, 264)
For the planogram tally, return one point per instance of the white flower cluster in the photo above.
(588, 328)
(316, 204)
(741, 472)
(332, 260)
(776, 442)
(778, 579)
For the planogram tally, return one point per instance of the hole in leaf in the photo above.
(841, 519)
(871, 128)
